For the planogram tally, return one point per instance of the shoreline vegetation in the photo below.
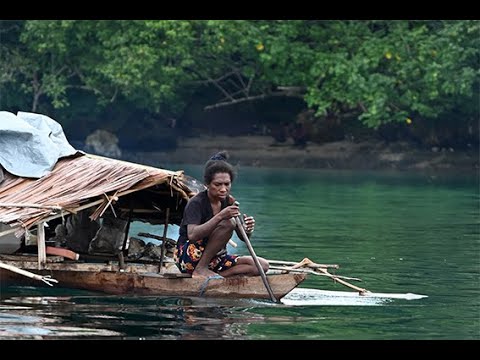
(263, 151)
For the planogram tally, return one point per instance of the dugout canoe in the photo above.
(144, 280)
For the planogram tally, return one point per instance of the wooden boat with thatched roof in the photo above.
(50, 224)
(94, 185)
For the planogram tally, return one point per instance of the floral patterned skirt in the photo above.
(188, 255)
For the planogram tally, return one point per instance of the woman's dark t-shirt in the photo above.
(197, 211)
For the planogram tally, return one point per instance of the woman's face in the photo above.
(220, 186)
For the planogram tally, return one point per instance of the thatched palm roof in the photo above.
(89, 181)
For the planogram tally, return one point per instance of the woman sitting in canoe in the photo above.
(207, 226)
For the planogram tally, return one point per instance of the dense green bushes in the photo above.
(421, 75)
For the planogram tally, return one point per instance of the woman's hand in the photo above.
(249, 222)
(229, 212)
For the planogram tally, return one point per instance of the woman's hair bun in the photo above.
(221, 155)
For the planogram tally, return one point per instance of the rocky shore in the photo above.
(262, 151)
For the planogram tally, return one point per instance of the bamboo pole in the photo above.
(308, 271)
(343, 282)
(311, 264)
(51, 207)
(47, 279)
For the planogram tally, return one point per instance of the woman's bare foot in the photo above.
(203, 273)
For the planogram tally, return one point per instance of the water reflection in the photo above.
(50, 317)
(37, 316)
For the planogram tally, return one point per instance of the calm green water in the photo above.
(400, 233)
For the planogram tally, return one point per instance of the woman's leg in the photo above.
(245, 266)
(216, 241)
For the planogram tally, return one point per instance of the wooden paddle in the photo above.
(246, 239)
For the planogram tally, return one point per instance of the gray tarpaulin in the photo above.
(31, 144)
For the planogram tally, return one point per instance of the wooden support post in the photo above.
(164, 242)
(121, 261)
(124, 250)
(42, 255)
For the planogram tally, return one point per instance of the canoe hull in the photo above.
(154, 284)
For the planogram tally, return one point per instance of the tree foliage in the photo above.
(385, 71)
(379, 71)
